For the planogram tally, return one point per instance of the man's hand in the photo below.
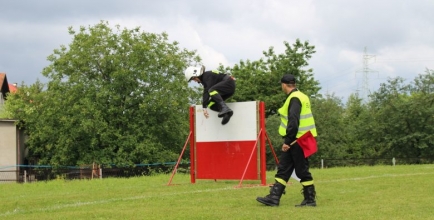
(285, 147)
(205, 113)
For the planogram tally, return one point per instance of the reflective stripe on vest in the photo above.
(307, 122)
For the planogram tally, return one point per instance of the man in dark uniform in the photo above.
(217, 88)
(296, 120)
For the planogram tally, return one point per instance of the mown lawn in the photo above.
(377, 192)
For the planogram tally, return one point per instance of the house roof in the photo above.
(12, 88)
(4, 85)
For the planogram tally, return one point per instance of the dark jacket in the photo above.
(294, 111)
(208, 80)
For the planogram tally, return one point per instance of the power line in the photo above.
(403, 60)
(346, 72)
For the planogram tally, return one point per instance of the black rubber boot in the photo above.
(225, 109)
(227, 117)
(309, 196)
(219, 110)
(273, 199)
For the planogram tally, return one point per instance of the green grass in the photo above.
(378, 192)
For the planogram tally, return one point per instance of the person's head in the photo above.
(288, 83)
(193, 73)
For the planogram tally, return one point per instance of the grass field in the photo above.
(377, 192)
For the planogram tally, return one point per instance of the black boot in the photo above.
(273, 198)
(225, 109)
(227, 117)
(309, 196)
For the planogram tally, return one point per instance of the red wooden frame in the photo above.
(240, 172)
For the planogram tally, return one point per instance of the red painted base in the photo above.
(226, 160)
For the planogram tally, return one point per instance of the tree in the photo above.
(420, 117)
(405, 119)
(24, 104)
(331, 141)
(355, 120)
(260, 80)
(114, 97)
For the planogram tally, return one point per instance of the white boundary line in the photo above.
(372, 177)
(78, 204)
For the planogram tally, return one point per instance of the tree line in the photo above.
(117, 96)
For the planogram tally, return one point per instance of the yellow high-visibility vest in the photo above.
(306, 118)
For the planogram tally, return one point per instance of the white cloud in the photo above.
(397, 32)
(350, 56)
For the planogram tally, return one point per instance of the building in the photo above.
(11, 139)
(11, 150)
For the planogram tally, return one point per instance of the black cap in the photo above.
(288, 79)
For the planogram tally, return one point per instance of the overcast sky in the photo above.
(398, 34)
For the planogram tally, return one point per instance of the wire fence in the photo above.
(334, 162)
(323, 163)
(33, 173)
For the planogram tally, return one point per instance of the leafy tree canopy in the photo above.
(115, 96)
(260, 79)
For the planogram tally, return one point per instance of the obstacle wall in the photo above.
(232, 151)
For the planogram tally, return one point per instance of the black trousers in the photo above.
(291, 160)
(225, 89)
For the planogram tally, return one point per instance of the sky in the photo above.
(386, 38)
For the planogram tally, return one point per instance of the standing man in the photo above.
(296, 119)
(217, 88)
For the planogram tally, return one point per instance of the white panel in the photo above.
(242, 126)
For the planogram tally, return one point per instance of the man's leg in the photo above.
(217, 107)
(214, 106)
(302, 171)
(284, 171)
(219, 93)
(219, 100)
(225, 111)
(227, 116)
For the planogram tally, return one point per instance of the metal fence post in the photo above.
(322, 163)
(25, 176)
(100, 173)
